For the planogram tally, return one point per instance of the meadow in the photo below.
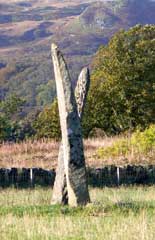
(125, 213)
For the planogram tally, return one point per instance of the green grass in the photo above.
(115, 213)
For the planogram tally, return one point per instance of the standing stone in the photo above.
(81, 90)
(73, 154)
(60, 193)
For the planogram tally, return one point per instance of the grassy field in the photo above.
(115, 213)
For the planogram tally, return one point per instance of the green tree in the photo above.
(47, 123)
(45, 94)
(5, 128)
(12, 105)
(10, 109)
(122, 93)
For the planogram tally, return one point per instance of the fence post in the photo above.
(118, 176)
(31, 177)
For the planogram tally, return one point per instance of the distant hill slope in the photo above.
(107, 16)
(27, 29)
(123, 13)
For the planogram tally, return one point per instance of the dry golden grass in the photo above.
(44, 153)
(41, 153)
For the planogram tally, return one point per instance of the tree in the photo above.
(10, 109)
(122, 93)
(5, 128)
(47, 123)
(45, 94)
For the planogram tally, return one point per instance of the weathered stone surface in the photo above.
(81, 90)
(74, 161)
(60, 194)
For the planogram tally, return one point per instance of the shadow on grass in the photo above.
(99, 210)
(134, 207)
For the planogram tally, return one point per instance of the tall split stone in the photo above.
(72, 144)
(60, 193)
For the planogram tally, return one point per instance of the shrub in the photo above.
(140, 142)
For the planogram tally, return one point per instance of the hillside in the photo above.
(79, 27)
(124, 14)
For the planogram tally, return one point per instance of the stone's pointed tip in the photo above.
(54, 46)
(85, 69)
